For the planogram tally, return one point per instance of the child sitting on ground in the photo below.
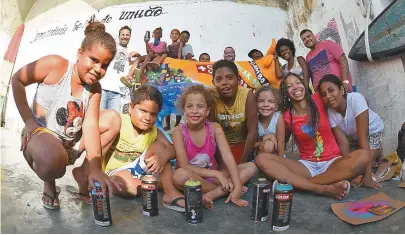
(196, 142)
(270, 129)
(174, 49)
(141, 148)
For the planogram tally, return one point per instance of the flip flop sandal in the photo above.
(79, 196)
(51, 206)
(173, 205)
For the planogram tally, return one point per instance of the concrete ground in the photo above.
(22, 210)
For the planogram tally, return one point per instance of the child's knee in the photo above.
(49, 172)
(157, 146)
(110, 120)
(180, 176)
(268, 146)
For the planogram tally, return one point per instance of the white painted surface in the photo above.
(213, 25)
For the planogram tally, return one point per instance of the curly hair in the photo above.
(95, 33)
(285, 42)
(209, 94)
(270, 89)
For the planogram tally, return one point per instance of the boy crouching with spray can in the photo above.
(141, 149)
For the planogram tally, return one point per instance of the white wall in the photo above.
(213, 26)
(381, 82)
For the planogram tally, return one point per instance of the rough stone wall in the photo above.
(381, 82)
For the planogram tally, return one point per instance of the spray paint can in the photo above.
(146, 38)
(149, 195)
(193, 199)
(101, 206)
(260, 201)
(283, 193)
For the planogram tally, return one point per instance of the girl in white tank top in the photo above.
(67, 98)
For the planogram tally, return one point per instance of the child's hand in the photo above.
(225, 182)
(99, 176)
(234, 197)
(30, 127)
(154, 164)
(272, 138)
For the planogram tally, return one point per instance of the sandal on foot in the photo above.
(84, 197)
(173, 205)
(54, 205)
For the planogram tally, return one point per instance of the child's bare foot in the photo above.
(82, 183)
(209, 197)
(337, 190)
(244, 190)
(207, 202)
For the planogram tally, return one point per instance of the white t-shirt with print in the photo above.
(118, 67)
(356, 104)
(187, 49)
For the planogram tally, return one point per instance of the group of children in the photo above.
(157, 51)
(225, 128)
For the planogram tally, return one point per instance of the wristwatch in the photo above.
(346, 81)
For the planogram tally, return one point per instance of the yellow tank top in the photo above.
(233, 119)
(127, 147)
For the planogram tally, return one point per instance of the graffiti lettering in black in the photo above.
(50, 33)
(151, 12)
(79, 25)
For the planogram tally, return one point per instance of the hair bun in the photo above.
(95, 27)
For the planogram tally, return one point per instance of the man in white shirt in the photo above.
(112, 87)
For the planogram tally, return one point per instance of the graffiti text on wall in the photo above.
(151, 12)
(78, 25)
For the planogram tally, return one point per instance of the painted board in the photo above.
(371, 209)
(386, 34)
